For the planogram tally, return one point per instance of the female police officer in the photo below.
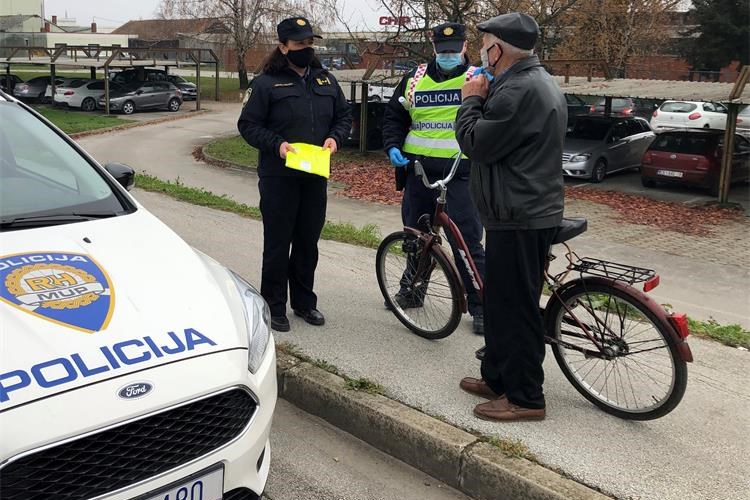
(293, 100)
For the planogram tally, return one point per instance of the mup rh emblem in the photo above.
(69, 289)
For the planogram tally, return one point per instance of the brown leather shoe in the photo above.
(478, 387)
(502, 410)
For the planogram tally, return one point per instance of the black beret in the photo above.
(519, 30)
(295, 28)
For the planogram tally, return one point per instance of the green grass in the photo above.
(512, 448)
(368, 236)
(731, 335)
(72, 122)
(364, 385)
(235, 150)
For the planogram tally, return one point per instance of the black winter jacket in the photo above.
(514, 139)
(286, 107)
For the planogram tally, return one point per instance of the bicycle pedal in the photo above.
(480, 353)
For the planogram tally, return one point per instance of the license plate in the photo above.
(669, 173)
(204, 486)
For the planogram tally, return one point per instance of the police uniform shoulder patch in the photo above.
(323, 80)
(248, 93)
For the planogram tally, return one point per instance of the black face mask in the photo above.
(302, 57)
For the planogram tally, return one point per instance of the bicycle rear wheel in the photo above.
(422, 291)
(639, 375)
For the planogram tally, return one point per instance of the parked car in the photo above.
(380, 93)
(597, 146)
(685, 114)
(143, 96)
(63, 82)
(620, 107)
(743, 122)
(36, 88)
(132, 365)
(84, 94)
(693, 158)
(576, 107)
(189, 89)
(8, 83)
(130, 76)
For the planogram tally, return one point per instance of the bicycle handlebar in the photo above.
(442, 183)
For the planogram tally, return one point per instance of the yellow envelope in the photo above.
(310, 159)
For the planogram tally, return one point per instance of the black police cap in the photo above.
(449, 37)
(518, 29)
(295, 28)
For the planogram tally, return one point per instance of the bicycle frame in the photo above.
(441, 220)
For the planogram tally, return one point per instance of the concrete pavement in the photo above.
(702, 289)
(312, 459)
(696, 452)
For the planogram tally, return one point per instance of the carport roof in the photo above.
(653, 89)
(90, 62)
(639, 89)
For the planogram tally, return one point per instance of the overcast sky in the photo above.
(113, 14)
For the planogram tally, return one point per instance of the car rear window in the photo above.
(691, 144)
(678, 107)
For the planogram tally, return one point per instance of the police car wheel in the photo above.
(600, 171)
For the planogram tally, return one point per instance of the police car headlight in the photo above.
(257, 318)
(580, 158)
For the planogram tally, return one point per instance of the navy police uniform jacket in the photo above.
(285, 107)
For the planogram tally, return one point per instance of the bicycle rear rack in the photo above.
(612, 270)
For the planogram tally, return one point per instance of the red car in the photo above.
(693, 158)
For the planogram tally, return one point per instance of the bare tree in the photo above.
(615, 30)
(251, 23)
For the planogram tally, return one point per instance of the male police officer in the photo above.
(513, 131)
(423, 128)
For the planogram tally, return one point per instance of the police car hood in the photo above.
(89, 301)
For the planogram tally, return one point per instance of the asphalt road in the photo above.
(312, 459)
(699, 451)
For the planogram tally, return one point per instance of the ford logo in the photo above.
(136, 390)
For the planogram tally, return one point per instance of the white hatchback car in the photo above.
(131, 365)
(686, 114)
(83, 94)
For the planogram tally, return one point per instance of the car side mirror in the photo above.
(122, 173)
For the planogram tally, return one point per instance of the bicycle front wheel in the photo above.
(421, 289)
(637, 374)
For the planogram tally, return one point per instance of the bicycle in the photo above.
(620, 349)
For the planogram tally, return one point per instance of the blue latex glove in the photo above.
(486, 73)
(397, 158)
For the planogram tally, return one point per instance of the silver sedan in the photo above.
(597, 146)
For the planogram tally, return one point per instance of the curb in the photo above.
(441, 450)
(127, 126)
(217, 162)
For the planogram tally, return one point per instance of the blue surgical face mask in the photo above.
(449, 61)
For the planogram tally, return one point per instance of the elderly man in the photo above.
(511, 125)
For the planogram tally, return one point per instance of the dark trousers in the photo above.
(513, 328)
(294, 212)
(418, 200)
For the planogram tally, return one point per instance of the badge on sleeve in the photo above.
(248, 93)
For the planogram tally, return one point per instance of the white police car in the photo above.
(131, 365)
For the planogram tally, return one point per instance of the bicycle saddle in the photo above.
(569, 228)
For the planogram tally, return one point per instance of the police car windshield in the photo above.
(42, 175)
